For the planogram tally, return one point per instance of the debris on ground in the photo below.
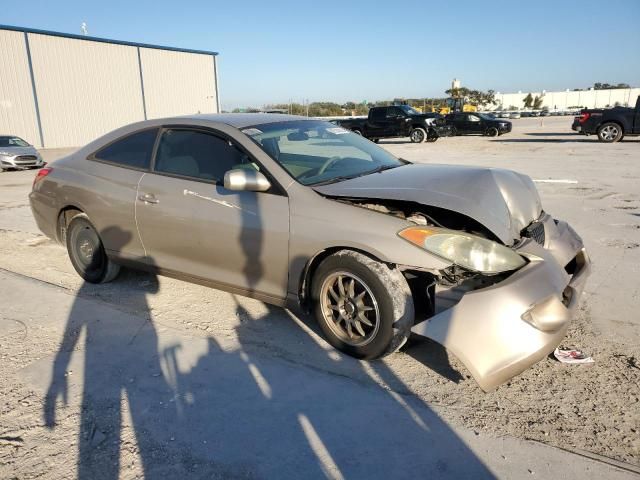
(569, 355)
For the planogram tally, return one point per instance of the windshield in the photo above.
(316, 152)
(12, 142)
(486, 116)
(409, 110)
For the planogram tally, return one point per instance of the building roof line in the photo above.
(102, 40)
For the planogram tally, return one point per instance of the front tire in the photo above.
(610, 132)
(87, 253)
(357, 132)
(417, 135)
(364, 308)
(492, 132)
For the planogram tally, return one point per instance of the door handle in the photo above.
(148, 198)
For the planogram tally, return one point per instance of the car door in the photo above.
(191, 225)
(458, 120)
(397, 124)
(474, 123)
(108, 195)
(378, 124)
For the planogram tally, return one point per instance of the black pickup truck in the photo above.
(398, 121)
(610, 124)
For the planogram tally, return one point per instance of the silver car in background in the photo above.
(16, 153)
(305, 214)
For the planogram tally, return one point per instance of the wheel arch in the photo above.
(616, 120)
(304, 282)
(64, 217)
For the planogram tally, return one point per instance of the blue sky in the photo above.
(273, 51)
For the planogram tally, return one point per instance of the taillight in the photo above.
(584, 117)
(43, 172)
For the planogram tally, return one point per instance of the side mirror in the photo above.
(246, 180)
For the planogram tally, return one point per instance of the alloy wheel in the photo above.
(609, 133)
(349, 308)
(417, 136)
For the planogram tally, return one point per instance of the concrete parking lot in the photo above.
(159, 377)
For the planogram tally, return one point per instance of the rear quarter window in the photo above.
(133, 151)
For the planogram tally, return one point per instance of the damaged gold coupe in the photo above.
(304, 214)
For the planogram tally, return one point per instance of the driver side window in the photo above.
(198, 155)
(394, 113)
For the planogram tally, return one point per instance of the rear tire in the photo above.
(348, 286)
(87, 253)
(418, 135)
(610, 132)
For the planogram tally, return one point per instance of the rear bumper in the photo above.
(45, 213)
(501, 330)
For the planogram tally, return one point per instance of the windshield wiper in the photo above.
(379, 169)
(341, 178)
(333, 180)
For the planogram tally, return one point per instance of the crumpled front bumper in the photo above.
(501, 330)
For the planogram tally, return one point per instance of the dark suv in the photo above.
(472, 122)
(610, 124)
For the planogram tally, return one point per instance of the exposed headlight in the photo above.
(463, 249)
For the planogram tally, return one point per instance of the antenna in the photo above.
(83, 28)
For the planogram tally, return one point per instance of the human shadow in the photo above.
(119, 364)
(256, 408)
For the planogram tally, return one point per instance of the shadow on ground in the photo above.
(239, 413)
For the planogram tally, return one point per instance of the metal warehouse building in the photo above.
(59, 90)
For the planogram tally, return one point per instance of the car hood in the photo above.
(503, 201)
(19, 150)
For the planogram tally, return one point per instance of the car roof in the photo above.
(242, 120)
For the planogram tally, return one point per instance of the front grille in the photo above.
(26, 158)
(535, 231)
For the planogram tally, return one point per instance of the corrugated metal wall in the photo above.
(17, 106)
(166, 73)
(85, 88)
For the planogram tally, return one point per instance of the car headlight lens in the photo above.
(463, 249)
